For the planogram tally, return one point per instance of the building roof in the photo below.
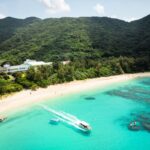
(18, 66)
(36, 63)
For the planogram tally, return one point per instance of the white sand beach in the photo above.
(27, 97)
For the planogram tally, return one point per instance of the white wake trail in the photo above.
(60, 114)
(64, 117)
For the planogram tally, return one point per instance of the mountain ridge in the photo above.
(63, 38)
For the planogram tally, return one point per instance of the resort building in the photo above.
(12, 69)
(24, 67)
(65, 62)
(36, 63)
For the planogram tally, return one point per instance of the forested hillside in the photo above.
(71, 38)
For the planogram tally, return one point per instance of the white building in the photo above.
(36, 63)
(17, 68)
(65, 62)
(25, 66)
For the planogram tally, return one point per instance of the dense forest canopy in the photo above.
(66, 38)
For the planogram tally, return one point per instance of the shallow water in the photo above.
(109, 111)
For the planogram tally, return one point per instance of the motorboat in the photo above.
(69, 119)
(83, 125)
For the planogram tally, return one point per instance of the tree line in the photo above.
(77, 69)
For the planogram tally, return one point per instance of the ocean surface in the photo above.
(109, 111)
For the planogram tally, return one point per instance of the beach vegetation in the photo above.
(43, 76)
(7, 87)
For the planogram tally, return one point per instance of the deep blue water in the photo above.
(109, 112)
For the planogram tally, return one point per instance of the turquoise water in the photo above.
(109, 111)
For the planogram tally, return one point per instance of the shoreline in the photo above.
(27, 98)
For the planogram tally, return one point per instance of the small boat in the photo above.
(55, 121)
(134, 126)
(83, 126)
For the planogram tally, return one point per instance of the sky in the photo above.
(128, 10)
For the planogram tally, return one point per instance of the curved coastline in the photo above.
(27, 97)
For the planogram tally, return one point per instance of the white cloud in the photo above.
(2, 16)
(99, 9)
(56, 6)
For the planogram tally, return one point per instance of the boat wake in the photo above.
(69, 119)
